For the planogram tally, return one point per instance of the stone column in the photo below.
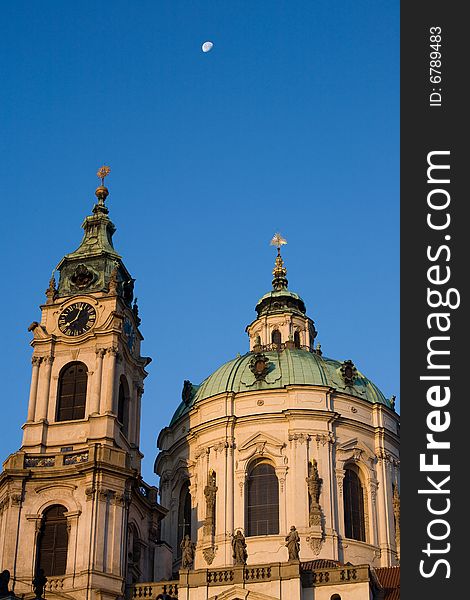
(134, 414)
(111, 371)
(340, 502)
(117, 533)
(33, 392)
(43, 396)
(382, 512)
(239, 501)
(229, 506)
(281, 473)
(72, 529)
(373, 512)
(101, 536)
(299, 508)
(95, 398)
(10, 541)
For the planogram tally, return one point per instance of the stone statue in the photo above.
(113, 282)
(39, 583)
(4, 581)
(239, 548)
(210, 492)
(187, 554)
(293, 544)
(314, 483)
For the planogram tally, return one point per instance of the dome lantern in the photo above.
(282, 321)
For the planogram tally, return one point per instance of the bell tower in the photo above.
(72, 500)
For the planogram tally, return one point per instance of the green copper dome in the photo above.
(289, 367)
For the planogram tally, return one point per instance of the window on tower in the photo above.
(123, 405)
(262, 500)
(72, 392)
(296, 339)
(353, 497)
(53, 541)
(276, 337)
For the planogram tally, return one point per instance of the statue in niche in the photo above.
(210, 492)
(240, 554)
(314, 483)
(293, 544)
(187, 552)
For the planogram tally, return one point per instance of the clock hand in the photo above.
(73, 321)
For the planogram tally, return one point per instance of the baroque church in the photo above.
(278, 474)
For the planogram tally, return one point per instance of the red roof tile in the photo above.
(389, 578)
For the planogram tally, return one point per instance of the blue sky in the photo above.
(290, 123)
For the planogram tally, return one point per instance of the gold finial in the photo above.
(103, 172)
(101, 191)
(279, 281)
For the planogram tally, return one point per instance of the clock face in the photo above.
(77, 318)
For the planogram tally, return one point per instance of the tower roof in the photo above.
(95, 265)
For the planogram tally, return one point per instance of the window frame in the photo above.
(256, 486)
(78, 409)
(46, 555)
(354, 505)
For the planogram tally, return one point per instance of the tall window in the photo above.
(354, 523)
(53, 542)
(262, 500)
(296, 339)
(123, 404)
(276, 337)
(184, 515)
(72, 392)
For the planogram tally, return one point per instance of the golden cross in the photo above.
(278, 241)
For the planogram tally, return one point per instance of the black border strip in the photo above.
(433, 124)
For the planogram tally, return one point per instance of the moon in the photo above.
(207, 46)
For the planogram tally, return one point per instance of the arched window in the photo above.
(354, 522)
(276, 337)
(123, 404)
(53, 541)
(297, 339)
(262, 500)
(184, 515)
(71, 399)
(258, 341)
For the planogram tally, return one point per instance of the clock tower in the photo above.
(72, 500)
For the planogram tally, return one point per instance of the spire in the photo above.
(101, 191)
(95, 265)
(280, 271)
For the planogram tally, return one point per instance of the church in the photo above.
(278, 474)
